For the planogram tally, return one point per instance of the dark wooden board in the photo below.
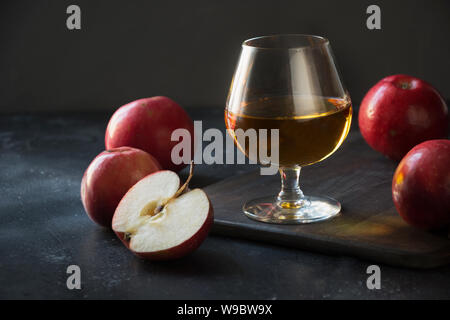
(368, 226)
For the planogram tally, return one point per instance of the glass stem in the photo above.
(290, 196)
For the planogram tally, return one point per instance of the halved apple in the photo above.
(158, 220)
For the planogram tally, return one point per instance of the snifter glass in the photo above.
(290, 83)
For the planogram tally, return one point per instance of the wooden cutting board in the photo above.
(368, 226)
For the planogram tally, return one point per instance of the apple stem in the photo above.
(185, 185)
(159, 208)
(405, 85)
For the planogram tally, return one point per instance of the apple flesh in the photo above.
(109, 176)
(156, 224)
(421, 185)
(400, 112)
(148, 124)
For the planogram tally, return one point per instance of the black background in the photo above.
(187, 50)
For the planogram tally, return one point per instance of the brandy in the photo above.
(310, 128)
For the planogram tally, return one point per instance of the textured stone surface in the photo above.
(43, 229)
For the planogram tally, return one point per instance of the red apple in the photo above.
(156, 220)
(400, 112)
(109, 176)
(148, 124)
(421, 185)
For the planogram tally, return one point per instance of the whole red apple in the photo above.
(421, 185)
(148, 124)
(109, 176)
(400, 112)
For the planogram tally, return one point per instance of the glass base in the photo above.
(310, 209)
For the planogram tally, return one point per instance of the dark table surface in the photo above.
(43, 230)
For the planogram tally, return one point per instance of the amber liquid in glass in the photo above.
(311, 128)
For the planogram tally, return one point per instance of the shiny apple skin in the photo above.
(148, 124)
(393, 119)
(421, 185)
(109, 177)
(183, 249)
